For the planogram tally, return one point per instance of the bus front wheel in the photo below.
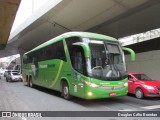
(65, 91)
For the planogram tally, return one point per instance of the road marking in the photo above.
(143, 108)
(151, 107)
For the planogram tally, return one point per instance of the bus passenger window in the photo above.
(60, 53)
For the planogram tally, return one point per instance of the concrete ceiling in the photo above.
(141, 18)
(8, 10)
(116, 18)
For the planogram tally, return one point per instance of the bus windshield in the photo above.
(106, 60)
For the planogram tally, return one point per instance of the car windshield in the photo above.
(142, 77)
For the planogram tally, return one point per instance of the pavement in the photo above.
(17, 96)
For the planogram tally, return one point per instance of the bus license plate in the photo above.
(113, 94)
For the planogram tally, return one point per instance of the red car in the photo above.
(143, 86)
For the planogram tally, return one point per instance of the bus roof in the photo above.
(73, 34)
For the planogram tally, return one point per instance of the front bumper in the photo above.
(96, 93)
(16, 79)
(153, 94)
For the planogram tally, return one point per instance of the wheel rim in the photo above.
(139, 94)
(65, 90)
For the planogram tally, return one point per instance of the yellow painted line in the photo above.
(57, 76)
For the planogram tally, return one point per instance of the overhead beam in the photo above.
(8, 10)
(139, 19)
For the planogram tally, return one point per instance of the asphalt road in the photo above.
(17, 96)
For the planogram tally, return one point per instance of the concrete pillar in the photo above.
(21, 52)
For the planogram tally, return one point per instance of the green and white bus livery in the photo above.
(81, 64)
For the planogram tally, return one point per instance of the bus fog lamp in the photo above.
(90, 93)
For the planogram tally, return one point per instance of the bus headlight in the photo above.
(94, 85)
(126, 84)
(91, 84)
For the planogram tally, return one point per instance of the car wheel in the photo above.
(139, 93)
(65, 91)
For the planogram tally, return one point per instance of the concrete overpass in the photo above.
(8, 10)
(117, 18)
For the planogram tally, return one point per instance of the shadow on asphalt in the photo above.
(80, 101)
(45, 90)
(94, 102)
(145, 98)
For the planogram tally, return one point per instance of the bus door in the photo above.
(79, 70)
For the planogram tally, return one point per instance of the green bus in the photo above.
(81, 64)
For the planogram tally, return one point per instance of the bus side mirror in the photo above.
(131, 52)
(85, 48)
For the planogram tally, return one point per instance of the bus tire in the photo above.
(65, 91)
(139, 93)
(30, 83)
